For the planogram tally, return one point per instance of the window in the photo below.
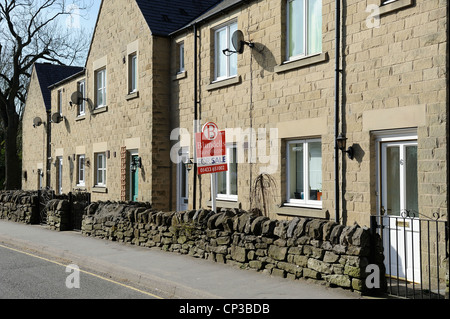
(225, 65)
(227, 181)
(181, 57)
(132, 65)
(100, 82)
(82, 90)
(304, 28)
(60, 102)
(100, 167)
(304, 172)
(81, 170)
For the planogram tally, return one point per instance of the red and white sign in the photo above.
(211, 150)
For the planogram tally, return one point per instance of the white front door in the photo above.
(399, 203)
(183, 182)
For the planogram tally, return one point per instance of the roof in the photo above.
(166, 16)
(49, 74)
(218, 9)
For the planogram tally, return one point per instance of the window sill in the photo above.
(100, 109)
(394, 6)
(225, 203)
(223, 83)
(291, 210)
(302, 62)
(80, 188)
(99, 189)
(132, 95)
(179, 76)
(80, 117)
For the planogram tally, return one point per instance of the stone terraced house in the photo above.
(158, 70)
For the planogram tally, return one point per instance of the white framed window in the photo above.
(225, 65)
(100, 169)
(60, 99)
(227, 182)
(304, 28)
(100, 87)
(304, 172)
(181, 57)
(133, 72)
(81, 170)
(82, 105)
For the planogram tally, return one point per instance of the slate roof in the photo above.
(49, 74)
(166, 16)
(221, 7)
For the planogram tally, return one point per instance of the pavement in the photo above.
(167, 275)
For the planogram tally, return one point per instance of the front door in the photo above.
(399, 204)
(183, 183)
(134, 175)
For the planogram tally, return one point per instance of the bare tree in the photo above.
(32, 31)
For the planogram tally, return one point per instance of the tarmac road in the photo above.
(28, 276)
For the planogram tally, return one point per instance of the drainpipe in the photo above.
(48, 151)
(448, 124)
(194, 203)
(336, 110)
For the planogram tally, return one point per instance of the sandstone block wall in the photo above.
(130, 122)
(393, 77)
(34, 150)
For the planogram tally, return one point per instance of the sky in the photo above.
(92, 15)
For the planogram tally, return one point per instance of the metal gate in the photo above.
(44, 196)
(415, 254)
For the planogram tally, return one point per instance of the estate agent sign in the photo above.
(211, 150)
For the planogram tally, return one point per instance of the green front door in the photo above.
(134, 179)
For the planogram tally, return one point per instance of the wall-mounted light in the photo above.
(341, 144)
(189, 165)
(135, 164)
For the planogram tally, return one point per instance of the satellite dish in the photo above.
(37, 121)
(76, 97)
(237, 39)
(56, 118)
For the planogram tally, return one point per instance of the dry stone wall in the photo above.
(300, 248)
(19, 206)
(32, 207)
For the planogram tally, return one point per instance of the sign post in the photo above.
(211, 154)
